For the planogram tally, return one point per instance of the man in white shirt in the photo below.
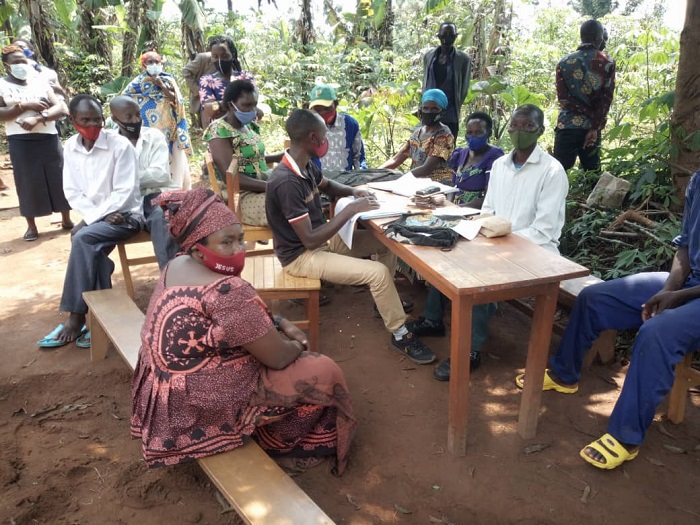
(152, 170)
(99, 181)
(528, 187)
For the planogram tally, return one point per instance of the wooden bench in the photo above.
(255, 486)
(126, 262)
(604, 346)
(272, 283)
(687, 377)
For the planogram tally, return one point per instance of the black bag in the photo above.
(423, 230)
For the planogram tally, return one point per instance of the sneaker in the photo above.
(426, 327)
(414, 349)
(407, 307)
(442, 371)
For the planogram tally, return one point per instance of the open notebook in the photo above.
(409, 184)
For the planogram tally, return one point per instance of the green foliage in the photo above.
(594, 8)
(86, 73)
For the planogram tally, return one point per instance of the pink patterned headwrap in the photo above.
(194, 215)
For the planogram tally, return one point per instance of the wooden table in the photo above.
(482, 271)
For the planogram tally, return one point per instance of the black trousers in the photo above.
(568, 144)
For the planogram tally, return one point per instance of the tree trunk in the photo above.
(305, 26)
(7, 26)
(41, 33)
(193, 40)
(130, 38)
(385, 32)
(685, 121)
(95, 42)
(149, 27)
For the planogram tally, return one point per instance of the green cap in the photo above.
(322, 95)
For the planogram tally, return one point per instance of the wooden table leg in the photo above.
(460, 342)
(537, 353)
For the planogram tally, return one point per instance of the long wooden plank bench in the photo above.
(255, 486)
(604, 346)
(687, 377)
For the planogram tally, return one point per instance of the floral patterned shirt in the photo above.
(212, 87)
(247, 146)
(585, 87)
(439, 144)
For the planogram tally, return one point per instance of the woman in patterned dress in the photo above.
(224, 58)
(236, 135)
(430, 146)
(163, 107)
(213, 368)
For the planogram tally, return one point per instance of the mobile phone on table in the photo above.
(428, 191)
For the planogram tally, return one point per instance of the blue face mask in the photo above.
(28, 53)
(476, 143)
(245, 117)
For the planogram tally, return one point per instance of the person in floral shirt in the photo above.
(585, 88)
(224, 57)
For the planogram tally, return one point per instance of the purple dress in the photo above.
(473, 181)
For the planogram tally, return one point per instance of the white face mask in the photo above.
(19, 71)
(154, 69)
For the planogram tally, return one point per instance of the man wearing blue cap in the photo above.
(346, 151)
(448, 69)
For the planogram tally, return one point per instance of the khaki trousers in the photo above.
(338, 264)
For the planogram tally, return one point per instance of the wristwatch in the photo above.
(215, 106)
(44, 115)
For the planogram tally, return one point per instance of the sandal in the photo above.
(323, 300)
(50, 341)
(548, 384)
(84, 340)
(611, 450)
(295, 466)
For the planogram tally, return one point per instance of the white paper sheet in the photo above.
(384, 210)
(409, 184)
(468, 229)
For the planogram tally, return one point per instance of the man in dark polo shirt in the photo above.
(308, 246)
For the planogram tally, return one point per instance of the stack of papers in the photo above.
(409, 184)
(384, 210)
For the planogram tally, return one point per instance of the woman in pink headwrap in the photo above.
(215, 368)
(163, 107)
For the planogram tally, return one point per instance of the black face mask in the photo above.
(447, 40)
(428, 119)
(225, 67)
(131, 130)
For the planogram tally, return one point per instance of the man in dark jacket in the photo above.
(448, 69)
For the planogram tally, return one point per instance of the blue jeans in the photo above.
(660, 344)
(89, 266)
(434, 311)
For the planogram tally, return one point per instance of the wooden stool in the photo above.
(269, 279)
(127, 263)
(687, 377)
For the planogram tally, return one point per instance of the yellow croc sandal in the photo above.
(549, 384)
(611, 449)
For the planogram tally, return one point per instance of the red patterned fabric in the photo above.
(197, 392)
(194, 215)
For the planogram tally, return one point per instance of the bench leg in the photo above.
(679, 392)
(313, 315)
(604, 347)
(126, 272)
(98, 339)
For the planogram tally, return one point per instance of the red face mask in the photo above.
(329, 117)
(228, 265)
(321, 149)
(88, 132)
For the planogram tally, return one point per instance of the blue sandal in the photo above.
(84, 340)
(50, 340)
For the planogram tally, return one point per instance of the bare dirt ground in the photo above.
(67, 456)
